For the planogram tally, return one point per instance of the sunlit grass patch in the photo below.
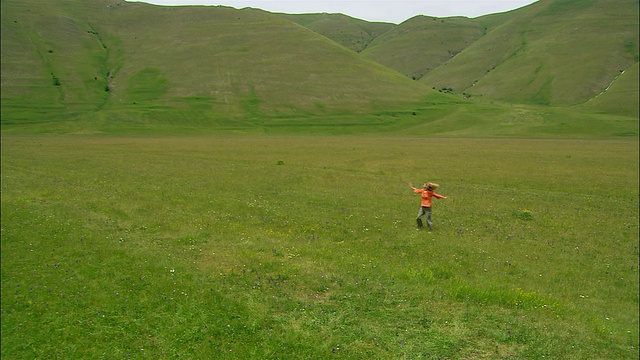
(512, 298)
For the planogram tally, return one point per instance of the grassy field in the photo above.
(306, 247)
(437, 115)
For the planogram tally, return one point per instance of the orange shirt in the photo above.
(426, 196)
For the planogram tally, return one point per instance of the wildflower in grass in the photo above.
(427, 192)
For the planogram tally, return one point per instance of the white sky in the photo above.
(394, 11)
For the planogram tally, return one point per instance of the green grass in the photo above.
(306, 247)
(438, 115)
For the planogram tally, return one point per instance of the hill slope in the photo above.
(102, 56)
(423, 43)
(352, 33)
(51, 58)
(621, 97)
(553, 52)
(134, 65)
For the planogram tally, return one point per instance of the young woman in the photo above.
(427, 193)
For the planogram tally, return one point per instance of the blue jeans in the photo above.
(425, 211)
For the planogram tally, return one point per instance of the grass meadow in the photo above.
(282, 247)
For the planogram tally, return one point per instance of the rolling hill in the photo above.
(105, 64)
(618, 98)
(352, 33)
(75, 56)
(553, 52)
(423, 43)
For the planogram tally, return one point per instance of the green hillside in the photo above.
(82, 56)
(75, 66)
(553, 52)
(353, 33)
(251, 59)
(53, 61)
(422, 43)
(620, 97)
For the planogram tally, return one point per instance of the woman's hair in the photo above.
(432, 186)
